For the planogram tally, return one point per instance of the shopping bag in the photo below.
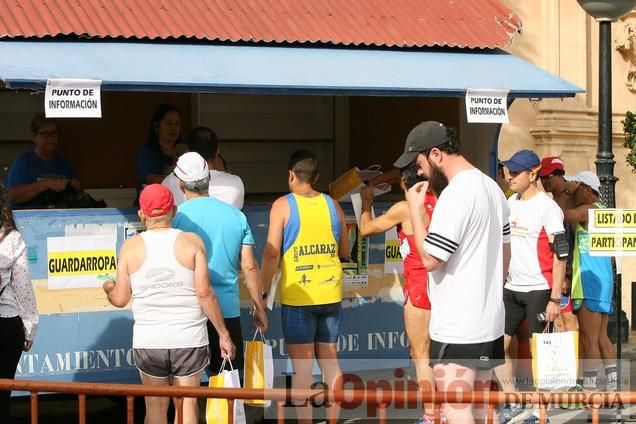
(259, 367)
(217, 408)
(273, 293)
(354, 180)
(555, 358)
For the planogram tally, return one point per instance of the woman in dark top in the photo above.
(157, 157)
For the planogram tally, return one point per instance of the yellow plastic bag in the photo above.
(217, 408)
(259, 368)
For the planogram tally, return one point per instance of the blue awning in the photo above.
(126, 66)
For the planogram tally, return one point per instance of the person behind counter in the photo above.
(157, 157)
(224, 186)
(18, 311)
(37, 175)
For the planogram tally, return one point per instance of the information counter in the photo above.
(82, 337)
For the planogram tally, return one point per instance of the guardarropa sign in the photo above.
(73, 98)
(487, 106)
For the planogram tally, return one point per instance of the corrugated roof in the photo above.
(390, 23)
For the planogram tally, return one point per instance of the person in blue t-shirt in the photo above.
(157, 157)
(228, 240)
(35, 174)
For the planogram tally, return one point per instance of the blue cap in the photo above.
(523, 160)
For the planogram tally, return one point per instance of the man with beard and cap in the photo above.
(165, 272)
(466, 251)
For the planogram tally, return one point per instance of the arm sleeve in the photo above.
(447, 226)
(248, 238)
(553, 219)
(19, 172)
(21, 280)
(147, 163)
(241, 193)
(505, 218)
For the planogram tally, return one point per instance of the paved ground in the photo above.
(100, 410)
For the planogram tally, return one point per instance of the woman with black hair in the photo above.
(18, 311)
(157, 157)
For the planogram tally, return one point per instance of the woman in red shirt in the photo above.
(417, 307)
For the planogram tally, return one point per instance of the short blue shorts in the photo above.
(311, 324)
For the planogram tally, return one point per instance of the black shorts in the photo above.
(480, 356)
(234, 327)
(520, 305)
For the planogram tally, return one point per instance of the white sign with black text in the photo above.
(73, 98)
(487, 106)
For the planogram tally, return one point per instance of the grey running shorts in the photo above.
(162, 363)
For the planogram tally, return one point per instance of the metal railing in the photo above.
(593, 400)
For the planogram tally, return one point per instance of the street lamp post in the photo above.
(606, 12)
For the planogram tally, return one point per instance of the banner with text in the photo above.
(393, 263)
(73, 98)
(80, 262)
(487, 106)
(612, 232)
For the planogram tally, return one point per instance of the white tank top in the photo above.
(164, 303)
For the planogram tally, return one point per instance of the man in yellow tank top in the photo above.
(309, 228)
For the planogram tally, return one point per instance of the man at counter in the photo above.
(37, 175)
(164, 271)
(309, 228)
(224, 186)
(228, 239)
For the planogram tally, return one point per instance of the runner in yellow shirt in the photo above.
(309, 228)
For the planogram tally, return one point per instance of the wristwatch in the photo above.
(555, 300)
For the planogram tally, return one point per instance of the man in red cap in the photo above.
(552, 175)
(552, 178)
(165, 272)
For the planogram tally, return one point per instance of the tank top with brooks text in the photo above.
(165, 307)
(311, 273)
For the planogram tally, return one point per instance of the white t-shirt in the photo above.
(224, 186)
(531, 221)
(470, 224)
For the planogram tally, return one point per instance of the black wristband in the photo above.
(555, 300)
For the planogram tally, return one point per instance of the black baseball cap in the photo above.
(424, 136)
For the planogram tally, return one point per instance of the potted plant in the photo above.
(629, 128)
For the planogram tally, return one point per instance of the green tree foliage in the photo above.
(629, 128)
